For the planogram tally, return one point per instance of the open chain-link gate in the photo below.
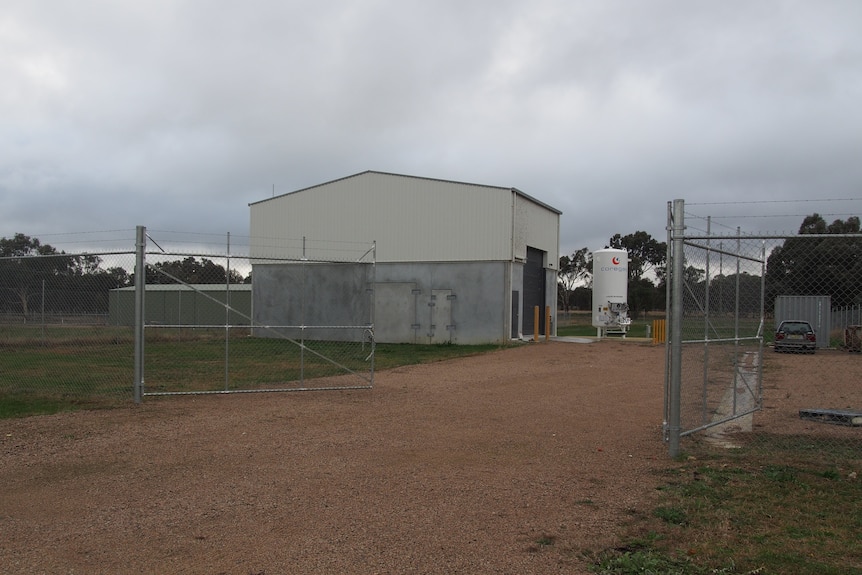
(716, 318)
(727, 295)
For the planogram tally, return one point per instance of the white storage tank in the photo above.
(610, 291)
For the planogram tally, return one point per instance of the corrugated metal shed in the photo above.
(180, 304)
(455, 262)
(815, 309)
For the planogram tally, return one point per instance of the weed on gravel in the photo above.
(767, 509)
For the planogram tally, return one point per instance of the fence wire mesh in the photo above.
(746, 384)
(68, 318)
(207, 332)
(59, 343)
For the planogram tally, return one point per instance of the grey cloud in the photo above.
(182, 112)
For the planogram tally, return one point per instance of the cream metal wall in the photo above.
(536, 226)
(411, 219)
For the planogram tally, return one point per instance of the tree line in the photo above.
(74, 283)
(32, 271)
(799, 266)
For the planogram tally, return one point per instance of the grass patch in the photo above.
(73, 368)
(637, 329)
(671, 514)
(646, 561)
(12, 406)
(15, 405)
(780, 506)
(389, 355)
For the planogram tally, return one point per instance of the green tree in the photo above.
(26, 264)
(692, 275)
(192, 271)
(574, 270)
(119, 277)
(643, 297)
(819, 266)
(730, 293)
(646, 254)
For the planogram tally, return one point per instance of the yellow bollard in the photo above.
(659, 331)
(547, 322)
(536, 323)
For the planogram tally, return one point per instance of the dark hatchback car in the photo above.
(795, 336)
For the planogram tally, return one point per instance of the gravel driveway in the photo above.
(517, 461)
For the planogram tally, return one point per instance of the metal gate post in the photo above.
(140, 286)
(664, 323)
(675, 328)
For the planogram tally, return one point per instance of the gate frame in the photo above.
(677, 240)
(140, 320)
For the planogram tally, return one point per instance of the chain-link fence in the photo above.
(80, 327)
(305, 323)
(763, 341)
(58, 342)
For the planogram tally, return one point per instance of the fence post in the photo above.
(675, 328)
(227, 318)
(140, 286)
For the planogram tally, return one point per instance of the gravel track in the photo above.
(517, 461)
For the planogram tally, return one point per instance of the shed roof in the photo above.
(513, 190)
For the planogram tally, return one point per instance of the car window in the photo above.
(795, 327)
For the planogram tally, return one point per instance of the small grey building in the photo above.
(183, 305)
(815, 309)
(454, 261)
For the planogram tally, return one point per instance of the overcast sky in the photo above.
(176, 114)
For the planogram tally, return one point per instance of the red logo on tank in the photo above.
(615, 260)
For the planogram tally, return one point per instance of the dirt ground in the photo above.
(518, 461)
